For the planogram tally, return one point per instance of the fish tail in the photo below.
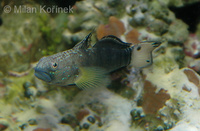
(142, 54)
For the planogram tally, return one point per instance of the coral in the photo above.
(42, 129)
(132, 36)
(81, 114)
(114, 27)
(177, 83)
(192, 46)
(153, 101)
(191, 50)
(193, 78)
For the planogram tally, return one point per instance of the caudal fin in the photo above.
(142, 54)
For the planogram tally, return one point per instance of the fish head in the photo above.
(142, 54)
(54, 71)
(46, 69)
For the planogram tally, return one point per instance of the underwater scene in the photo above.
(100, 65)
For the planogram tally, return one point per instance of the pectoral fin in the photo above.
(142, 54)
(92, 77)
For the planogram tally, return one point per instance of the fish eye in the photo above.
(138, 48)
(55, 65)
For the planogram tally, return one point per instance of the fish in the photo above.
(88, 66)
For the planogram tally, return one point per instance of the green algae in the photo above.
(14, 101)
(67, 92)
(167, 63)
(178, 32)
(17, 36)
(179, 56)
(127, 92)
(171, 58)
(15, 89)
(158, 27)
(52, 30)
(157, 10)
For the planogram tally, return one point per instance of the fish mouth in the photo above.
(40, 74)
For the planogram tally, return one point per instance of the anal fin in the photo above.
(92, 77)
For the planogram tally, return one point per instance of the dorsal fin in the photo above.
(85, 43)
(111, 41)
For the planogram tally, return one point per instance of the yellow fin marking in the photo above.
(92, 77)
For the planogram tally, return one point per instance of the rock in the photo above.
(32, 122)
(3, 124)
(23, 126)
(27, 84)
(86, 126)
(135, 114)
(30, 92)
(82, 113)
(69, 119)
(91, 119)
